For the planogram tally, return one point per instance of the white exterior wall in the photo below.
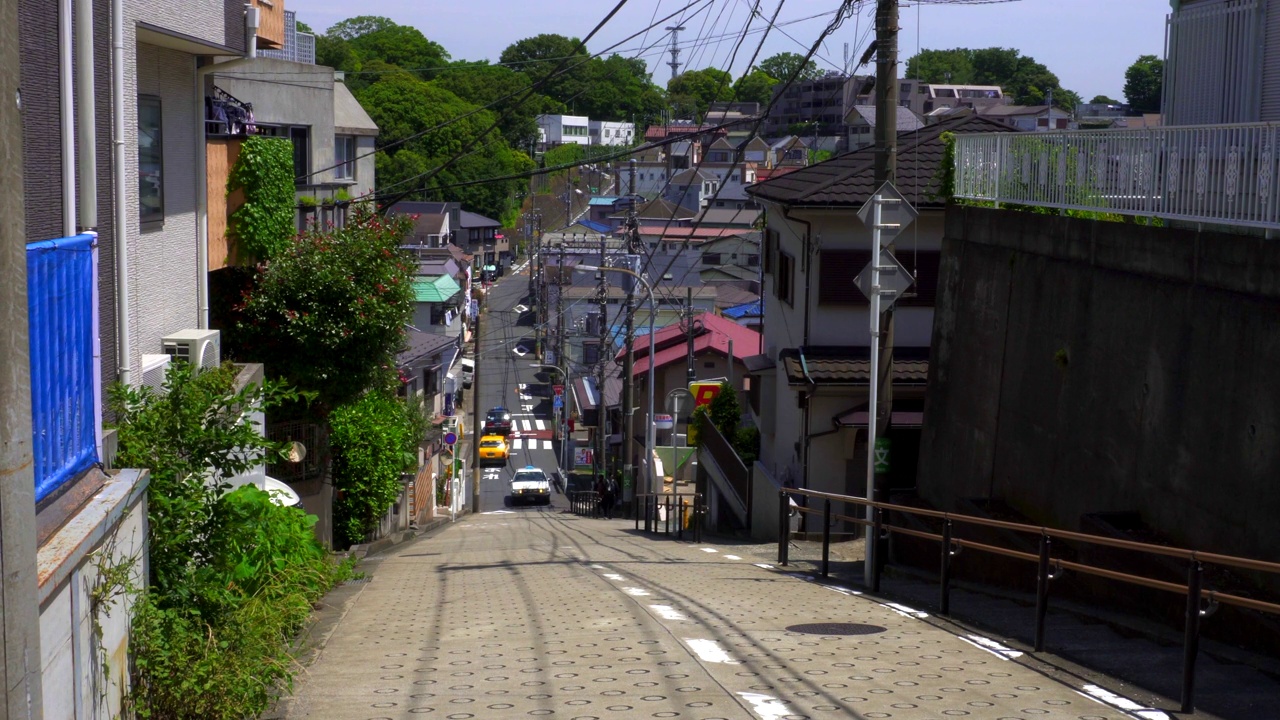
(604, 132)
(71, 658)
(651, 178)
(555, 129)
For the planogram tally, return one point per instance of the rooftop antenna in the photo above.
(675, 49)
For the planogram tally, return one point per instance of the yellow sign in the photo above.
(704, 392)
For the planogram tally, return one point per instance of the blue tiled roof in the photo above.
(594, 226)
(602, 201)
(751, 309)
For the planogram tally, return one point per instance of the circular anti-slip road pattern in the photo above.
(557, 616)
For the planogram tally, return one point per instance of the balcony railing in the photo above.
(1219, 174)
(62, 311)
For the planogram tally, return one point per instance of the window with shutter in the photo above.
(836, 271)
(784, 280)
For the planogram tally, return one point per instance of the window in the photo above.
(753, 260)
(836, 271)
(344, 157)
(770, 246)
(711, 258)
(150, 160)
(782, 288)
(590, 352)
(301, 139)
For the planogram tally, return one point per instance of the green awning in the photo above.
(437, 289)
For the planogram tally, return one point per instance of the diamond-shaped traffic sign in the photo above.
(895, 215)
(894, 280)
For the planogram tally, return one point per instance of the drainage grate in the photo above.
(358, 581)
(836, 629)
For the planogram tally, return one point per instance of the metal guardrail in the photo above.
(1048, 567)
(1221, 174)
(670, 513)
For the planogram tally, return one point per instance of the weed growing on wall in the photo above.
(374, 439)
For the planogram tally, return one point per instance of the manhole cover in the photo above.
(358, 581)
(836, 629)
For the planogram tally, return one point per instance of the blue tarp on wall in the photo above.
(61, 311)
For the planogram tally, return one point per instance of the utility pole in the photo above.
(475, 416)
(560, 276)
(20, 681)
(689, 331)
(602, 408)
(886, 170)
(628, 365)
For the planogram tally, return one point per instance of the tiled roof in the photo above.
(421, 344)
(602, 201)
(848, 180)
(751, 309)
(907, 120)
(468, 220)
(850, 366)
(670, 345)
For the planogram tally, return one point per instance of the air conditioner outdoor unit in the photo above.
(153, 369)
(202, 348)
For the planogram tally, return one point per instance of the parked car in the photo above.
(498, 421)
(493, 450)
(530, 484)
(468, 371)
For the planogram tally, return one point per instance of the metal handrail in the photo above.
(1049, 568)
(647, 506)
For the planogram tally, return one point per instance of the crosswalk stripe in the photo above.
(516, 444)
(546, 444)
(542, 424)
(527, 425)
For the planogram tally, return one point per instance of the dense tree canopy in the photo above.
(755, 86)
(1103, 100)
(1143, 82)
(780, 66)
(693, 91)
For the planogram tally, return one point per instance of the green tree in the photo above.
(335, 52)
(412, 117)
(780, 67)
(1103, 100)
(618, 88)
(538, 56)
(303, 27)
(352, 28)
(503, 88)
(373, 438)
(755, 86)
(329, 313)
(1143, 82)
(692, 92)
(953, 66)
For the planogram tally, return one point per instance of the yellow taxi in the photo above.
(493, 450)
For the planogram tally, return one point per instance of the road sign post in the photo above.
(887, 213)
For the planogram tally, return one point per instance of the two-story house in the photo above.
(810, 384)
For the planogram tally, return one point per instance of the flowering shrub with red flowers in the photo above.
(328, 312)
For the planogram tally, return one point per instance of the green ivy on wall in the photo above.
(264, 224)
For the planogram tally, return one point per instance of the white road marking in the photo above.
(709, 550)
(614, 576)
(528, 426)
(709, 651)
(637, 592)
(1129, 707)
(666, 612)
(519, 351)
(905, 611)
(500, 512)
(546, 444)
(516, 444)
(768, 708)
(522, 386)
(524, 396)
(528, 409)
(521, 414)
(762, 565)
(540, 424)
(732, 557)
(598, 567)
(991, 646)
(520, 308)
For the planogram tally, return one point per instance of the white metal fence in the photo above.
(1221, 174)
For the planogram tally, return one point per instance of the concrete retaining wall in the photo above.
(1084, 366)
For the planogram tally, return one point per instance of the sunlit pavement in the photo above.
(534, 612)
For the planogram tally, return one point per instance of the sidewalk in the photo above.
(511, 614)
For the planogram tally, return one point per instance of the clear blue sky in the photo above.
(1087, 43)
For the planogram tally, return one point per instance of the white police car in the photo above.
(531, 485)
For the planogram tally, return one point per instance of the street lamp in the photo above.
(563, 415)
(649, 435)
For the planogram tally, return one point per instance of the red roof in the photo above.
(683, 232)
(672, 347)
(766, 173)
